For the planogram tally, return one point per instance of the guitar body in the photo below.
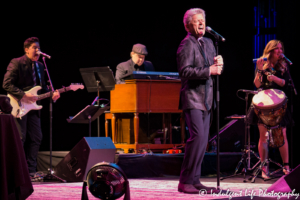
(21, 108)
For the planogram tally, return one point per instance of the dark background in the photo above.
(89, 35)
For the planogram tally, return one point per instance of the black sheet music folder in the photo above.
(104, 75)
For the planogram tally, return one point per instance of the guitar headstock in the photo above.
(76, 86)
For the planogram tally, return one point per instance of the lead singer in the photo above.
(196, 62)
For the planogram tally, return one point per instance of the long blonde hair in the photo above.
(272, 44)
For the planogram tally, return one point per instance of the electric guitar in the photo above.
(21, 108)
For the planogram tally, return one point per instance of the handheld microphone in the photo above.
(214, 33)
(286, 59)
(255, 60)
(250, 91)
(43, 54)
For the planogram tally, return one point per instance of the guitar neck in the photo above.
(46, 95)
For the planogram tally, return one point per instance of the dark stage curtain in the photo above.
(15, 182)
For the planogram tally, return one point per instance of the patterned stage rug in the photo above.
(147, 189)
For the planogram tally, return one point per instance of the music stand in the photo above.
(98, 79)
(87, 115)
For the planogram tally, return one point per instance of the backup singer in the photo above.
(197, 62)
(22, 74)
(271, 74)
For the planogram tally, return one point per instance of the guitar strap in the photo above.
(39, 72)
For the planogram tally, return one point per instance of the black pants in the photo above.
(31, 133)
(198, 123)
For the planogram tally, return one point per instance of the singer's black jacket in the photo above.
(196, 83)
(18, 77)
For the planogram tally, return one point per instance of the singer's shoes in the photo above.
(209, 190)
(187, 188)
(36, 176)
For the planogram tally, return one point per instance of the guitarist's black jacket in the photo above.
(19, 77)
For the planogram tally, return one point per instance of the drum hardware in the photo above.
(245, 160)
(259, 169)
(271, 113)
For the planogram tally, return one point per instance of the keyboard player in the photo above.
(136, 63)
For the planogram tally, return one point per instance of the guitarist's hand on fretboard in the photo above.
(55, 95)
(29, 98)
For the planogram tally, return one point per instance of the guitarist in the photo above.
(22, 74)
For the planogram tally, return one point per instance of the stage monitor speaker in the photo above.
(287, 183)
(87, 152)
(232, 136)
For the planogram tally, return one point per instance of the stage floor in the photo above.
(155, 176)
(160, 188)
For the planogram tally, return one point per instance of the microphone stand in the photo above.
(217, 38)
(247, 136)
(98, 104)
(218, 121)
(293, 89)
(50, 175)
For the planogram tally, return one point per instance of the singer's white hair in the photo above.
(189, 14)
